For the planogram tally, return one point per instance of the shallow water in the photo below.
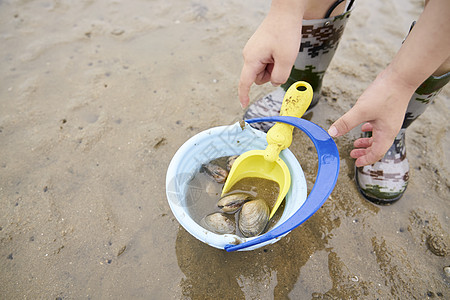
(97, 96)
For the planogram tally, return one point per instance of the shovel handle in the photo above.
(295, 103)
(296, 100)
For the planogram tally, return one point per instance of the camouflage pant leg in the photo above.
(423, 96)
(319, 42)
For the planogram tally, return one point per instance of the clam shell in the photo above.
(254, 217)
(230, 161)
(232, 203)
(218, 173)
(218, 223)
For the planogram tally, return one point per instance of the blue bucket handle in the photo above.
(327, 175)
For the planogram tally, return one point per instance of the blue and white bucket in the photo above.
(234, 139)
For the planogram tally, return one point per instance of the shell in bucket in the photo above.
(214, 143)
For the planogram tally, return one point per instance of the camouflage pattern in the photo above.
(385, 181)
(423, 96)
(267, 106)
(320, 39)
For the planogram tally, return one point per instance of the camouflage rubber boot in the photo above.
(320, 39)
(385, 181)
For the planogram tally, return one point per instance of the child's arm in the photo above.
(383, 104)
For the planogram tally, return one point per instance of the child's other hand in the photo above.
(381, 108)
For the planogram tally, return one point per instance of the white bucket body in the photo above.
(214, 143)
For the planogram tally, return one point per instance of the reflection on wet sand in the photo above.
(213, 273)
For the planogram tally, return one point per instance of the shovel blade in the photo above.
(253, 164)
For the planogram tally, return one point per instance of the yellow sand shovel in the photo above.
(266, 163)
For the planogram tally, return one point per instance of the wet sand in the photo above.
(97, 96)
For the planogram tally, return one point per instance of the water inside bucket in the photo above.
(214, 143)
(203, 193)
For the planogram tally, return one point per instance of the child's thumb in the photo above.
(344, 124)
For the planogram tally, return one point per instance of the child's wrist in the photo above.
(401, 78)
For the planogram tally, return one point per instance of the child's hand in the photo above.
(271, 52)
(382, 106)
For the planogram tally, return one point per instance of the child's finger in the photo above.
(280, 72)
(367, 127)
(344, 124)
(363, 143)
(248, 76)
